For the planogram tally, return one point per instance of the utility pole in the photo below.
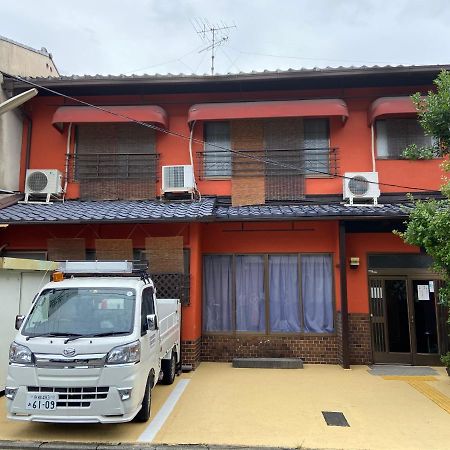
(213, 34)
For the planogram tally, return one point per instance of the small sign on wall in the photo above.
(423, 292)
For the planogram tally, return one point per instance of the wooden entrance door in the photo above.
(403, 318)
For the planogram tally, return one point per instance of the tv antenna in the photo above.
(214, 35)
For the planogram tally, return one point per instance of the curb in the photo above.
(58, 445)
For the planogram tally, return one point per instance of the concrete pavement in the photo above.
(225, 406)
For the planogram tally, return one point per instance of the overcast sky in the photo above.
(158, 36)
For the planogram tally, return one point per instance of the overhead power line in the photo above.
(340, 60)
(201, 141)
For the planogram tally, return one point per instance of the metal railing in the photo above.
(269, 163)
(107, 166)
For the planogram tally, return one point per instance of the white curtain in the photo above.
(217, 290)
(317, 293)
(284, 294)
(250, 304)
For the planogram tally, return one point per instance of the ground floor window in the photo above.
(290, 293)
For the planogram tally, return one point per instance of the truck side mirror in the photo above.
(19, 321)
(152, 322)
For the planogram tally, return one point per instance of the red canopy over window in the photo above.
(385, 106)
(88, 114)
(256, 110)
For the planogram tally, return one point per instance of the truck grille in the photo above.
(74, 397)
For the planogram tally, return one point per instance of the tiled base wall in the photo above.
(190, 352)
(360, 339)
(312, 349)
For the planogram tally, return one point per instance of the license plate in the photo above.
(41, 402)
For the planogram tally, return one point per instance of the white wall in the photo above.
(18, 59)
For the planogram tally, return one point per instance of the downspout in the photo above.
(344, 300)
(28, 145)
(191, 137)
(66, 174)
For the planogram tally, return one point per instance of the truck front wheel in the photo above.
(169, 369)
(144, 413)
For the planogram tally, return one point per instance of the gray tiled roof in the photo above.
(308, 211)
(108, 211)
(205, 210)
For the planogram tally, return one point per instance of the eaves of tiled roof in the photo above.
(108, 212)
(205, 210)
(310, 211)
(277, 73)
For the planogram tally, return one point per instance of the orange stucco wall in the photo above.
(361, 245)
(352, 138)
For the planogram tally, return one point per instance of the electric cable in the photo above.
(202, 142)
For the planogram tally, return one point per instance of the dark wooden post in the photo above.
(344, 303)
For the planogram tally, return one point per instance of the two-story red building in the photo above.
(243, 184)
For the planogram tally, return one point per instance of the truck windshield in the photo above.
(82, 311)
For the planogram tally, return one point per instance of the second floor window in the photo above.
(316, 144)
(217, 161)
(115, 161)
(297, 142)
(394, 135)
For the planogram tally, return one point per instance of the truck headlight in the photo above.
(19, 354)
(129, 353)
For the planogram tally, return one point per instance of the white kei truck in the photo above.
(92, 347)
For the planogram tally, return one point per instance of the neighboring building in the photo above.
(21, 60)
(267, 246)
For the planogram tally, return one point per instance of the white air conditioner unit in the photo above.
(177, 179)
(361, 185)
(43, 182)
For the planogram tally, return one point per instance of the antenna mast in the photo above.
(213, 34)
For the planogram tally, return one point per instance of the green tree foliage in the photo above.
(429, 221)
(434, 117)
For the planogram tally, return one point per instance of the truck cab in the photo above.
(91, 349)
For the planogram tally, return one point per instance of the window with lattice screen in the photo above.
(394, 135)
(115, 161)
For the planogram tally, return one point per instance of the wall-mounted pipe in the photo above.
(66, 171)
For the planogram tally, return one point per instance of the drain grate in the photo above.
(335, 419)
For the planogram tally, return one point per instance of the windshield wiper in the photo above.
(47, 335)
(109, 333)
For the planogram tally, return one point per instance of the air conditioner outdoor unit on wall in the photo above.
(361, 185)
(177, 179)
(43, 182)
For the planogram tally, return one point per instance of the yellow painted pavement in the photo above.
(222, 405)
(230, 406)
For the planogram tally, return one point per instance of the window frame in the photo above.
(205, 143)
(148, 302)
(73, 170)
(268, 331)
(389, 157)
(306, 175)
(320, 175)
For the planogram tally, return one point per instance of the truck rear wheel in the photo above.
(169, 369)
(144, 413)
